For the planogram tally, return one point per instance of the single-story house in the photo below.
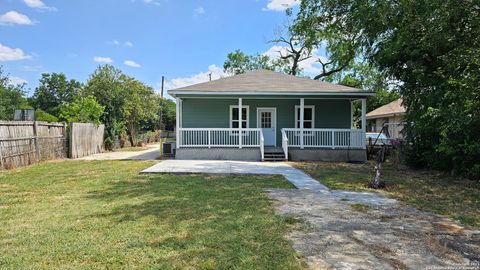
(391, 115)
(265, 115)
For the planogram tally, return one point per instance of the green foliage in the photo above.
(366, 78)
(139, 106)
(41, 115)
(106, 84)
(54, 91)
(11, 97)
(83, 110)
(129, 104)
(168, 108)
(432, 49)
(238, 62)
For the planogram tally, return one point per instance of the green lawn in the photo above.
(103, 214)
(454, 197)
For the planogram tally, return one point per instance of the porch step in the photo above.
(274, 156)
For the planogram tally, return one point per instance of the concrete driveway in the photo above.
(152, 153)
(353, 230)
(297, 177)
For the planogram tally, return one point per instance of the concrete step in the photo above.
(274, 156)
(274, 159)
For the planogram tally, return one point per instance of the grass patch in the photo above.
(454, 197)
(360, 207)
(103, 214)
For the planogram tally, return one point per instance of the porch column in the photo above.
(364, 119)
(302, 112)
(351, 113)
(240, 122)
(179, 121)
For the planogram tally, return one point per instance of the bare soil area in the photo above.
(346, 233)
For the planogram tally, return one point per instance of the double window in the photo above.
(308, 116)
(235, 121)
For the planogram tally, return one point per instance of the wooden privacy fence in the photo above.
(85, 139)
(24, 143)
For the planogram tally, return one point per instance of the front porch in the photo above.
(306, 128)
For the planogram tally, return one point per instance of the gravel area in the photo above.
(356, 233)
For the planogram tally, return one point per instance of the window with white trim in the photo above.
(234, 121)
(308, 116)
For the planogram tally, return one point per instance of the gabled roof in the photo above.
(266, 82)
(393, 108)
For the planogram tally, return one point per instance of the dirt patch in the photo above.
(348, 234)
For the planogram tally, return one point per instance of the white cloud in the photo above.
(310, 65)
(16, 81)
(132, 63)
(150, 2)
(38, 4)
(120, 43)
(9, 54)
(216, 72)
(199, 11)
(281, 5)
(100, 59)
(13, 17)
(32, 68)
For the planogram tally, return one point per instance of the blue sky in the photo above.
(183, 40)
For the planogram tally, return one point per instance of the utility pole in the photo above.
(161, 103)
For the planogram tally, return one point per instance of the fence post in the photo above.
(65, 149)
(70, 141)
(1, 156)
(35, 135)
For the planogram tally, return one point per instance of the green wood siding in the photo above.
(214, 113)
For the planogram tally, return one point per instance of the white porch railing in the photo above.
(221, 137)
(323, 138)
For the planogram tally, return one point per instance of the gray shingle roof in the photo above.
(267, 81)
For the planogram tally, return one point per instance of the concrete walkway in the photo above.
(152, 153)
(297, 177)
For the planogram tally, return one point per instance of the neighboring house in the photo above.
(281, 116)
(391, 115)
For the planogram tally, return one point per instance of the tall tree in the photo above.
(140, 106)
(107, 85)
(54, 91)
(11, 97)
(238, 62)
(432, 48)
(295, 46)
(83, 110)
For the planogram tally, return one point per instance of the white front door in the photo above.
(267, 121)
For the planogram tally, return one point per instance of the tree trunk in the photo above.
(132, 133)
(378, 182)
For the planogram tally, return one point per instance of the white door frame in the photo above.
(258, 121)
